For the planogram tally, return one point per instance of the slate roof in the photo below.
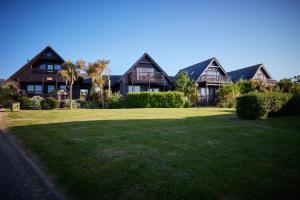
(246, 73)
(196, 70)
(114, 79)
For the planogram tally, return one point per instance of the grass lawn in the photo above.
(198, 153)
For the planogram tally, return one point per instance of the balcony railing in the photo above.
(270, 82)
(215, 79)
(135, 76)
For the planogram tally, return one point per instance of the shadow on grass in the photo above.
(204, 157)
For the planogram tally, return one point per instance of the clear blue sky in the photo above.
(175, 33)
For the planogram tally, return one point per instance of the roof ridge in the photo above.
(246, 67)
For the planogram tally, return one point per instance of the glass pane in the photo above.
(50, 68)
(57, 67)
(42, 66)
(38, 89)
(30, 88)
(50, 88)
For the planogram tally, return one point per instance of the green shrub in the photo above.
(7, 96)
(66, 103)
(36, 102)
(227, 95)
(115, 100)
(25, 102)
(293, 106)
(256, 105)
(155, 100)
(49, 103)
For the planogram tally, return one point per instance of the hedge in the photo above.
(155, 100)
(256, 105)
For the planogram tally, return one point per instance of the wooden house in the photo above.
(39, 76)
(145, 75)
(256, 73)
(209, 76)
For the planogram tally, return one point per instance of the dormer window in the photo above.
(50, 68)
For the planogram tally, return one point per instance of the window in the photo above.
(30, 88)
(62, 87)
(43, 67)
(38, 89)
(50, 68)
(144, 73)
(202, 91)
(57, 67)
(153, 90)
(134, 88)
(50, 88)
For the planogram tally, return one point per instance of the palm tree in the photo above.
(95, 71)
(70, 72)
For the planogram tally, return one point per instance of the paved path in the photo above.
(19, 177)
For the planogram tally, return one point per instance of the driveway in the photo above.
(20, 178)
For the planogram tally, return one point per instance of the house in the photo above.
(144, 75)
(209, 76)
(39, 76)
(256, 73)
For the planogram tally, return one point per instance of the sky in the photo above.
(176, 33)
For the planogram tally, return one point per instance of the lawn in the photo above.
(198, 153)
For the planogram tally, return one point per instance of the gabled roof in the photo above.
(35, 59)
(196, 70)
(146, 55)
(247, 73)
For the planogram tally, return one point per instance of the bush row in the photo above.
(155, 100)
(257, 105)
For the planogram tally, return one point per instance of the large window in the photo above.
(50, 88)
(134, 88)
(62, 87)
(57, 67)
(50, 68)
(38, 89)
(43, 67)
(144, 73)
(30, 88)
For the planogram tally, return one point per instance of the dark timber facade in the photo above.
(39, 76)
(145, 75)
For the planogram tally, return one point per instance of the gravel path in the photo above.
(19, 177)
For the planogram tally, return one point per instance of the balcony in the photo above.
(270, 82)
(145, 77)
(211, 79)
(267, 82)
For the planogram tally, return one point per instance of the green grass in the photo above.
(199, 153)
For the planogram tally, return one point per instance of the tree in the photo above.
(285, 85)
(70, 72)
(246, 86)
(296, 79)
(185, 85)
(95, 71)
(182, 82)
